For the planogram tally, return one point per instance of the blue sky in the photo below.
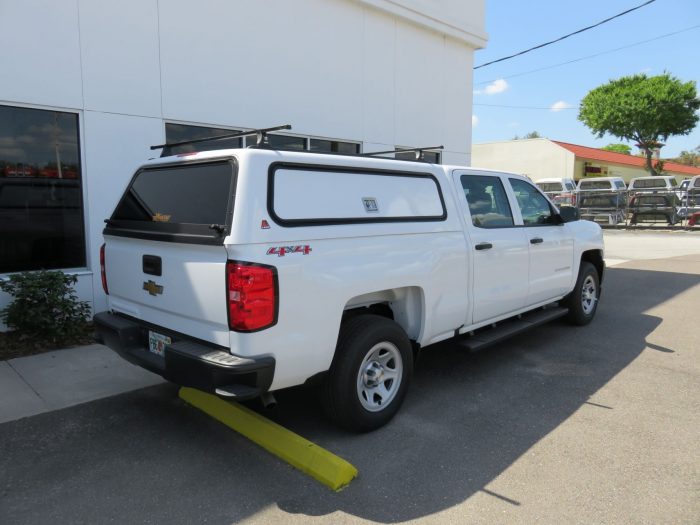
(516, 25)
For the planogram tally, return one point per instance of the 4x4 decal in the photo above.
(281, 251)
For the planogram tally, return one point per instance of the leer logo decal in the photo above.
(281, 251)
(370, 204)
(152, 288)
(161, 217)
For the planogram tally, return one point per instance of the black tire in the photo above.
(583, 301)
(344, 393)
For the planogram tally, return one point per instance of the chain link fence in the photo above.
(643, 206)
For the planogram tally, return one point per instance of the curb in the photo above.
(322, 465)
(648, 228)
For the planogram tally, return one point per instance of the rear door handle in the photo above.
(536, 240)
(483, 246)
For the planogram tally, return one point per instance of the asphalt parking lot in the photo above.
(598, 424)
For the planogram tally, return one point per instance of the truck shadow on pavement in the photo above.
(146, 456)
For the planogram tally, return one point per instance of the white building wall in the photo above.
(119, 54)
(382, 72)
(536, 158)
(40, 53)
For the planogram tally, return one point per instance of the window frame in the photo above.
(509, 201)
(554, 213)
(90, 261)
(330, 168)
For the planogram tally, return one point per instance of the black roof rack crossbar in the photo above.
(261, 136)
(418, 151)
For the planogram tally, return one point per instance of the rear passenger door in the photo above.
(550, 244)
(499, 250)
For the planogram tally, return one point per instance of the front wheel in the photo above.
(370, 373)
(583, 301)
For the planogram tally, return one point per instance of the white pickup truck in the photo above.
(245, 271)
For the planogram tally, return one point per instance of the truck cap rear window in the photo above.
(550, 186)
(190, 203)
(185, 194)
(595, 185)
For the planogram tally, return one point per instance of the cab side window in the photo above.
(487, 200)
(534, 207)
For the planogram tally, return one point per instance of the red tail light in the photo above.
(252, 296)
(103, 271)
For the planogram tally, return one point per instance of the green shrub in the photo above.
(45, 307)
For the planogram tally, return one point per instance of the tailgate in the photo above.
(165, 261)
(189, 295)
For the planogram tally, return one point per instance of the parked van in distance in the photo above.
(690, 195)
(602, 184)
(561, 192)
(603, 199)
(656, 183)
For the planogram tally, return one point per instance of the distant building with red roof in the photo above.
(544, 158)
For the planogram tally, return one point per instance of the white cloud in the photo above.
(497, 86)
(475, 121)
(558, 106)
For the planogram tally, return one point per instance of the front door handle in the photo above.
(483, 246)
(536, 240)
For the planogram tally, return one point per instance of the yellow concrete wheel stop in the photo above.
(324, 466)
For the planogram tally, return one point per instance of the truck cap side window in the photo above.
(534, 207)
(487, 200)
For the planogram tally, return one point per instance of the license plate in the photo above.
(157, 342)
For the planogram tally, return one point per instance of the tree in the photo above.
(646, 110)
(531, 135)
(689, 158)
(618, 148)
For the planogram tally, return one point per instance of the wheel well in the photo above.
(382, 309)
(595, 257)
(402, 305)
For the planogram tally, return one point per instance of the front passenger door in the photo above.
(551, 244)
(499, 248)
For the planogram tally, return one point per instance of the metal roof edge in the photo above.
(463, 32)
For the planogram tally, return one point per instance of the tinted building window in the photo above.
(428, 156)
(281, 142)
(333, 146)
(182, 132)
(41, 211)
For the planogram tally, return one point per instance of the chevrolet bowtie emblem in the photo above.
(152, 288)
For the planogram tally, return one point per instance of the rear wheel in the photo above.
(369, 375)
(583, 301)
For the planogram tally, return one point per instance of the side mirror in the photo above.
(569, 214)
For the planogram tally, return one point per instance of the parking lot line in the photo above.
(324, 466)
